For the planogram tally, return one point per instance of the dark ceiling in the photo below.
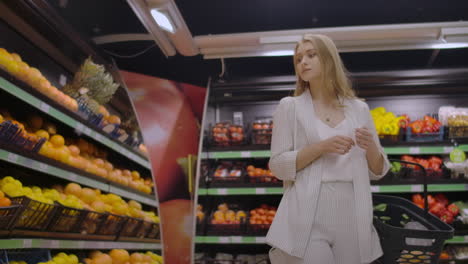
(93, 18)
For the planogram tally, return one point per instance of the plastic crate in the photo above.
(257, 229)
(392, 139)
(66, 219)
(154, 232)
(11, 134)
(33, 215)
(90, 223)
(131, 227)
(226, 229)
(229, 181)
(111, 225)
(225, 134)
(144, 229)
(424, 137)
(458, 132)
(8, 216)
(30, 256)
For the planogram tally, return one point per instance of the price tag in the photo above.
(448, 149)
(414, 150)
(80, 244)
(416, 188)
(260, 240)
(43, 167)
(465, 238)
(79, 126)
(222, 191)
(98, 137)
(54, 244)
(224, 240)
(375, 188)
(87, 131)
(44, 107)
(12, 157)
(260, 190)
(246, 154)
(27, 243)
(72, 176)
(236, 239)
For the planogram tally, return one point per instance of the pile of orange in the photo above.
(13, 64)
(262, 215)
(258, 172)
(4, 201)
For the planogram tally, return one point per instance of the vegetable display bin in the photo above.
(422, 244)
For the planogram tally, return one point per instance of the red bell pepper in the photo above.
(431, 201)
(417, 198)
(437, 209)
(416, 126)
(446, 217)
(453, 209)
(441, 198)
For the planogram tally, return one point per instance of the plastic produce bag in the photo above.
(417, 241)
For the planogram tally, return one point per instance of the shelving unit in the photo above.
(25, 243)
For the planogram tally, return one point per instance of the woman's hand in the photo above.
(337, 144)
(364, 138)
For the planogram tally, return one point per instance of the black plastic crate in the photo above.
(131, 226)
(424, 137)
(392, 139)
(11, 134)
(30, 256)
(90, 223)
(8, 215)
(67, 219)
(226, 229)
(111, 225)
(230, 180)
(154, 232)
(200, 227)
(33, 215)
(458, 132)
(144, 229)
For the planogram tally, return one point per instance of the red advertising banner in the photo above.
(170, 114)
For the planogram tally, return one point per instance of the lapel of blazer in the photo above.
(306, 116)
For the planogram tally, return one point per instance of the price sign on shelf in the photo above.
(246, 154)
(222, 191)
(236, 239)
(12, 157)
(72, 176)
(260, 190)
(44, 107)
(224, 240)
(414, 150)
(43, 167)
(260, 240)
(375, 188)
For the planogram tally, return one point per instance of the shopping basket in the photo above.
(409, 234)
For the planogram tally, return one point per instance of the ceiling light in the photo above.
(450, 45)
(163, 20)
(279, 53)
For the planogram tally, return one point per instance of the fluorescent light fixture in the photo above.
(450, 45)
(163, 20)
(279, 53)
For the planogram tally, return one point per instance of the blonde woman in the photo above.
(326, 150)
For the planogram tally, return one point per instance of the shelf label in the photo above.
(87, 131)
(465, 238)
(27, 243)
(44, 107)
(54, 244)
(62, 80)
(79, 127)
(223, 191)
(98, 137)
(12, 157)
(260, 190)
(72, 176)
(375, 188)
(414, 150)
(448, 149)
(416, 188)
(261, 240)
(246, 154)
(43, 167)
(236, 239)
(224, 240)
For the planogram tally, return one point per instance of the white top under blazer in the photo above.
(338, 166)
(296, 127)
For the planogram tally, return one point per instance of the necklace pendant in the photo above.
(328, 119)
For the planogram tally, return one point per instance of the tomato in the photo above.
(446, 217)
(453, 209)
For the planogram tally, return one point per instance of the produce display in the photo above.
(226, 216)
(426, 125)
(200, 214)
(260, 175)
(122, 256)
(386, 123)
(13, 64)
(77, 153)
(228, 170)
(227, 134)
(263, 215)
(63, 258)
(456, 119)
(438, 206)
(261, 132)
(74, 196)
(432, 163)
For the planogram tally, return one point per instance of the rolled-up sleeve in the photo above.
(283, 156)
(370, 124)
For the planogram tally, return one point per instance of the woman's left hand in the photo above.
(364, 138)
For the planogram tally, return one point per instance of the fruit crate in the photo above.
(131, 227)
(461, 229)
(424, 137)
(11, 134)
(144, 229)
(66, 219)
(90, 222)
(235, 229)
(405, 243)
(33, 215)
(225, 134)
(30, 256)
(458, 132)
(257, 229)
(262, 130)
(88, 114)
(233, 175)
(111, 225)
(154, 232)
(200, 227)
(265, 181)
(8, 215)
(392, 139)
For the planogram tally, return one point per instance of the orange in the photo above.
(4, 202)
(35, 122)
(50, 128)
(57, 140)
(74, 150)
(99, 163)
(136, 257)
(135, 175)
(2, 194)
(43, 134)
(103, 259)
(104, 112)
(119, 256)
(88, 195)
(113, 119)
(16, 57)
(108, 166)
(73, 188)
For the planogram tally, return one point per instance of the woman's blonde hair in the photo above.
(333, 73)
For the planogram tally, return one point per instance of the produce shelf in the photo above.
(261, 240)
(30, 99)
(388, 150)
(74, 177)
(229, 240)
(375, 189)
(73, 244)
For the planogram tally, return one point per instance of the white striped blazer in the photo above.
(294, 128)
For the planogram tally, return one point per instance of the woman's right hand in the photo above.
(337, 144)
